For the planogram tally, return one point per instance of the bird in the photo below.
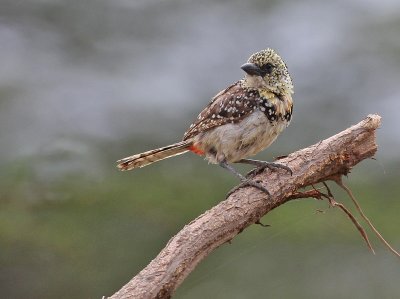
(239, 122)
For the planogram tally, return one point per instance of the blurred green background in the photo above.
(84, 83)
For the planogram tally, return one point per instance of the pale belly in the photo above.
(232, 142)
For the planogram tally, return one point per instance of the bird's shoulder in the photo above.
(231, 105)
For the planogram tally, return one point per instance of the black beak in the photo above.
(251, 69)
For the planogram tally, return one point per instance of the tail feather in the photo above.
(146, 158)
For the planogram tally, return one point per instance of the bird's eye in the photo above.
(267, 68)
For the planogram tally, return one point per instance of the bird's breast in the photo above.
(232, 142)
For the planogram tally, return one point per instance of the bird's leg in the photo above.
(261, 165)
(244, 181)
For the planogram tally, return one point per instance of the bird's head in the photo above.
(267, 70)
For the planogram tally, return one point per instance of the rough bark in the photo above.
(330, 158)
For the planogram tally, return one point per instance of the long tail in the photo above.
(146, 158)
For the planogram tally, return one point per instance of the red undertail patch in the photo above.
(196, 150)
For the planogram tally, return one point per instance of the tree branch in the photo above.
(326, 160)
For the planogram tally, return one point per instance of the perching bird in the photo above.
(239, 122)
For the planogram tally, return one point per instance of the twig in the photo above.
(380, 237)
(334, 203)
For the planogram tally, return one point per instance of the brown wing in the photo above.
(229, 106)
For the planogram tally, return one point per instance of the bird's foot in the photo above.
(247, 183)
(262, 165)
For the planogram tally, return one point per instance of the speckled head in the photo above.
(266, 69)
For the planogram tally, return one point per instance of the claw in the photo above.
(246, 183)
(269, 165)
